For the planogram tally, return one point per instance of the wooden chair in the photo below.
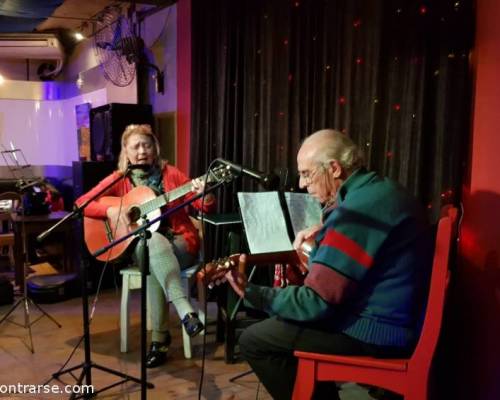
(131, 279)
(7, 238)
(408, 377)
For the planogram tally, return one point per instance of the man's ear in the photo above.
(336, 169)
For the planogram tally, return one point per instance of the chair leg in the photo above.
(202, 302)
(304, 381)
(124, 314)
(186, 341)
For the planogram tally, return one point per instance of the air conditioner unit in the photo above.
(30, 46)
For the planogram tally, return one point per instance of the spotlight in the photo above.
(78, 36)
(2, 79)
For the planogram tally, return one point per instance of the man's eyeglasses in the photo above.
(308, 176)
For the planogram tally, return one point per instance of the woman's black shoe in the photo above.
(192, 324)
(157, 354)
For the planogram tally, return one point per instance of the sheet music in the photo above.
(264, 222)
(304, 210)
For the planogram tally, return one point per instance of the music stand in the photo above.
(15, 166)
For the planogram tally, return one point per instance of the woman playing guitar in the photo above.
(175, 246)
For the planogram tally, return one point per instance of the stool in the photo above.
(132, 280)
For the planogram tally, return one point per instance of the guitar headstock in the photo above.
(213, 272)
(221, 173)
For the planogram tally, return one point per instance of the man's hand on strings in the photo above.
(306, 234)
(238, 280)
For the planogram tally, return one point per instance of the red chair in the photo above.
(408, 377)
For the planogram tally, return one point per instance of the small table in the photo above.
(34, 225)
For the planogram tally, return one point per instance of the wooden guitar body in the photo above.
(100, 232)
(214, 271)
(140, 201)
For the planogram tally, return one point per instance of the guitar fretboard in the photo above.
(165, 198)
(172, 195)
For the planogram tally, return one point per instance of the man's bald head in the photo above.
(326, 145)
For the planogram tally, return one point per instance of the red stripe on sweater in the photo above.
(348, 246)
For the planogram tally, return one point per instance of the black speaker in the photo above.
(87, 174)
(107, 124)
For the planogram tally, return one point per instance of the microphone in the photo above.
(268, 181)
(144, 167)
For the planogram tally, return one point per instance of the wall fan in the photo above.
(119, 50)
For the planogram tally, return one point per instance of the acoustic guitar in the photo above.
(213, 272)
(142, 205)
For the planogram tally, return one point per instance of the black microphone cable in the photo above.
(203, 268)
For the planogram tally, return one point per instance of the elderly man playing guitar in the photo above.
(146, 187)
(368, 272)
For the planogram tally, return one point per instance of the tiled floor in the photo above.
(178, 379)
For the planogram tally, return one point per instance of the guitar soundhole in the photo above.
(134, 214)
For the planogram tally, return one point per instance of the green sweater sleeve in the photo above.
(298, 303)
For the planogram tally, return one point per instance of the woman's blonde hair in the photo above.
(134, 129)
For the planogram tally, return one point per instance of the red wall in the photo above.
(473, 329)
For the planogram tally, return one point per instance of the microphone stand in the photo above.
(87, 364)
(143, 261)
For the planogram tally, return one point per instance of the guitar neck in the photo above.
(166, 198)
(273, 258)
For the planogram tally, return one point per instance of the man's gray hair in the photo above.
(335, 145)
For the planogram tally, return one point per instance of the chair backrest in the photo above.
(446, 231)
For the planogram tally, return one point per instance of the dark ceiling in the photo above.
(27, 16)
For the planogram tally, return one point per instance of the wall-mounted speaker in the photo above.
(107, 124)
